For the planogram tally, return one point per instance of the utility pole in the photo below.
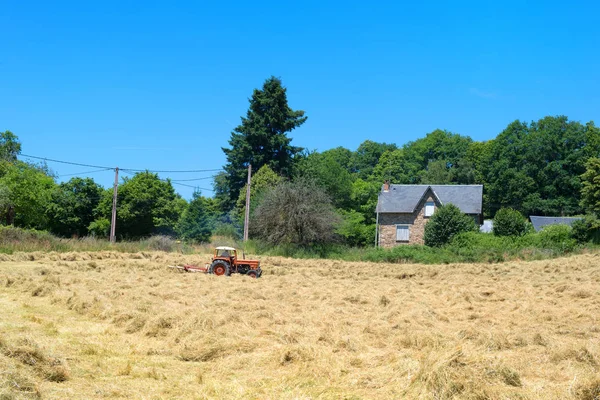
(247, 216)
(113, 222)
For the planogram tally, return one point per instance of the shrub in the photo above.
(586, 230)
(100, 228)
(354, 230)
(195, 223)
(557, 237)
(509, 222)
(228, 230)
(447, 222)
(297, 213)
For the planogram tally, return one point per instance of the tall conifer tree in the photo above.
(261, 139)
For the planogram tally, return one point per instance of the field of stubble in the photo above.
(113, 325)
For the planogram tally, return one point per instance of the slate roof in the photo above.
(540, 222)
(405, 198)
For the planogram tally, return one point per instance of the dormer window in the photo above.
(429, 208)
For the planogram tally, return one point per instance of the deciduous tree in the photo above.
(590, 190)
(325, 170)
(146, 206)
(10, 147)
(297, 212)
(72, 207)
(536, 167)
(29, 193)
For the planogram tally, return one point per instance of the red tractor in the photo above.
(225, 262)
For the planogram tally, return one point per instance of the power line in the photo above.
(195, 179)
(170, 172)
(190, 186)
(127, 172)
(66, 162)
(122, 169)
(86, 172)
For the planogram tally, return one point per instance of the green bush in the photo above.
(229, 230)
(20, 239)
(100, 228)
(195, 223)
(558, 237)
(586, 230)
(354, 230)
(509, 222)
(447, 222)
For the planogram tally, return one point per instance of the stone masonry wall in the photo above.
(416, 222)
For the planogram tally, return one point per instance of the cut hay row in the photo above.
(307, 328)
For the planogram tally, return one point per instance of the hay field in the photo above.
(114, 325)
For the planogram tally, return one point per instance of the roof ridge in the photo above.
(432, 184)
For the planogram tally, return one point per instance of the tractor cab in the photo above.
(226, 262)
(225, 253)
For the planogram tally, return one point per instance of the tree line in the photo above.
(536, 168)
(546, 167)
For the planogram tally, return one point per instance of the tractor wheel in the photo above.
(220, 267)
(252, 274)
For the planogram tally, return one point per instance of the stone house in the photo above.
(404, 210)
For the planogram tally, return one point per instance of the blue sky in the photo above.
(160, 85)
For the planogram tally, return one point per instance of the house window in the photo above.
(402, 233)
(429, 208)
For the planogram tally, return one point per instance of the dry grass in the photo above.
(117, 325)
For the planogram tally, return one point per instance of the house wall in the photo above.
(416, 220)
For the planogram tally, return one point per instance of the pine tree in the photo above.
(261, 138)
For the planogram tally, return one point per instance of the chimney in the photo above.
(386, 186)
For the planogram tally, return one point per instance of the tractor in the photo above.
(225, 262)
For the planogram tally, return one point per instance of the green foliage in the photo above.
(18, 239)
(367, 156)
(535, 168)
(354, 230)
(446, 222)
(195, 223)
(330, 175)
(586, 229)
(228, 230)
(26, 191)
(509, 222)
(264, 179)
(261, 138)
(5, 203)
(590, 190)
(341, 156)
(557, 236)
(432, 159)
(297, 213)
(10, 147)
(437, 173)
(486, 247)
(99, 228)
(72, 207)
(364, 198)
(30, 240)
(146, 206)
